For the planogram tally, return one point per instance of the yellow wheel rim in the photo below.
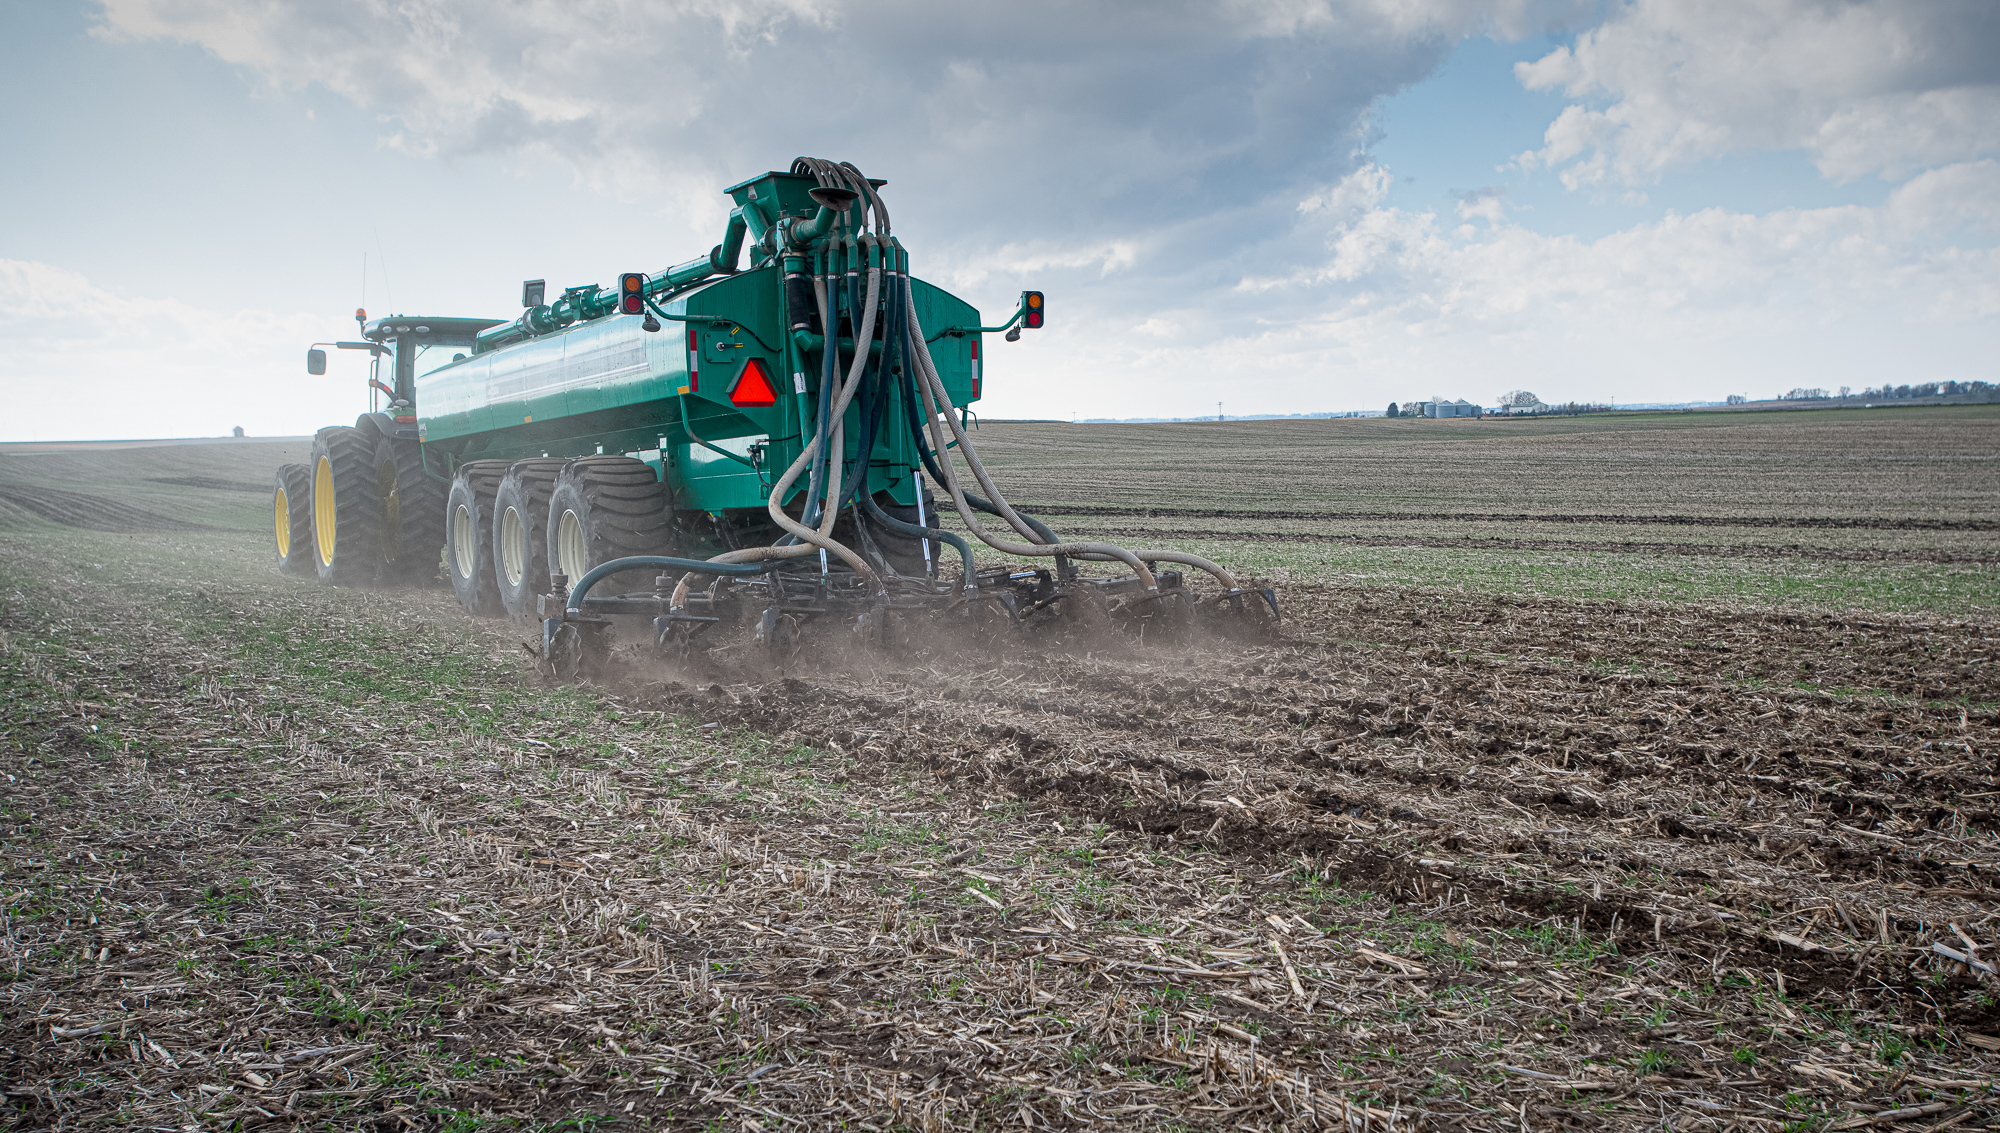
(323, 510)
(463, 551)
(284, 509)
(573, 557)
(513, 556)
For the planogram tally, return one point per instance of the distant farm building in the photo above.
(1520, 401)
(1459, 408)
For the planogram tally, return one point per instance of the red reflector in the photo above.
(975, 350)
(753, 386)
(975, 387)
(406, 420)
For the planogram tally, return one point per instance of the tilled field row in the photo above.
(1149, 536)
(1800, 522)
(280, 857)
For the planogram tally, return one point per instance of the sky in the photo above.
(1290, 206)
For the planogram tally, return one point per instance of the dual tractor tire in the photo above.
(346, 508)
(413, 512)
(363, 512)
(468, 530)
(291, 505)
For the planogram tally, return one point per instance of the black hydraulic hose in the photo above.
(634, 562)
(870, 424)
(876, 392)
(869, 418)
(902, 527)
(828, 378)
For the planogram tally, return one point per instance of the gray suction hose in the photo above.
(821, 538)
(834, 483)
(934, 395)
(1025, 524)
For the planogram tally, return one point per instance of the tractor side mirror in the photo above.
(316, 362)
(532, 292)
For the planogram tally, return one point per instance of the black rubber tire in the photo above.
(603, 508)
(520, 541)
(347, 509)
(292, 522)
(468, 530)
(412, 513)
(906, 553)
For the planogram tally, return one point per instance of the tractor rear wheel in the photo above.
(346, 508)
(604, 508)
(520, 526)
(468, 530)
(291, 505)
(412, 512)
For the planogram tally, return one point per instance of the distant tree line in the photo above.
(1926, 389)
(1892, 393)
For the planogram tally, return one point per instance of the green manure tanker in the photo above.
(759, 447)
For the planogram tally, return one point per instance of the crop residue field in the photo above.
(1601, 816)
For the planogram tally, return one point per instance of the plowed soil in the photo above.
(282, 856)
(91, 512)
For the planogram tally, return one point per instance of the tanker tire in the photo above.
(604, 508)
(291, 507)
(346, 508)
(468, 531)
(520, 526)
(412, 513)
(906, 553)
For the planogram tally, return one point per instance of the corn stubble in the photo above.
(278, 857)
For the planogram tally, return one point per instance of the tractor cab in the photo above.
(402, 349)
(413, 347)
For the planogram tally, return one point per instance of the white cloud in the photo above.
(1689, 306)
(1964, 194)
(1193, 181)
(1362, 189)
(1883, 87)
(1489, 205)
(84, 361)
(1121, 113)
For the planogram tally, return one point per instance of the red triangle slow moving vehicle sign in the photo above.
(753, 386)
